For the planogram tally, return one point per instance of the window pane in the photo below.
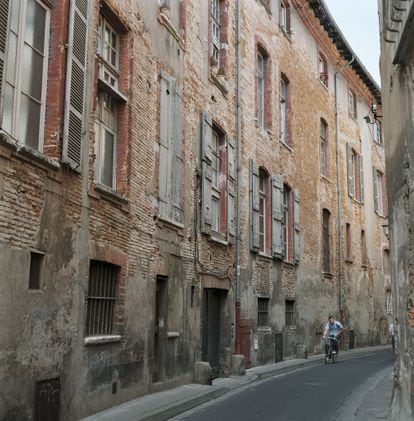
(107, 155)
(14, 15)
(8, 105)
(11, 60)
(35, 25)
(33, 73)
(29, 122)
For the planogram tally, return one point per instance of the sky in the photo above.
(358, 21)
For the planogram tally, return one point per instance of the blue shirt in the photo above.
(334, 328)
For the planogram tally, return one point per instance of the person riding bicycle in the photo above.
(332, 330)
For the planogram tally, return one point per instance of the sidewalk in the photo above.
(374, 402)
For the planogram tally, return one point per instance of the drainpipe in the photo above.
(238, 179)
(338, 190)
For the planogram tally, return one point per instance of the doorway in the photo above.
(160, 334)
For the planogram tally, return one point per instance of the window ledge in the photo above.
(287, 34)
(173, 334)
(109, 194)
(170, 221)
(356, 200)
(327, 274)
(221, 83)
(31, 155)
(164, 20)
(110, 90)
(325, 178)
(264, 329)
(217, 238)
(285, 145)
(289, 264)
(290, 327)
(102, 339)
(350, 261)
(381, 215)
(325, 86)
(264, 256)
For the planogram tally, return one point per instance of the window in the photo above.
(377, 132)
(352, 104)
(326, 251)
(355, 174)
(262, 312)
(323, 137)
(36, 260)
(323, 69)
(101, 298)
(218, 178)
(364, 256)
(217, 182)
(284, 16)
(109, 101)
(219, 36)
(262, 211)
(380, 194)
(290, 313)
(386, 262)
(288, 226)
(285, 135)
(388, 301)
(24, 79)
(348, 250)
(262, 89)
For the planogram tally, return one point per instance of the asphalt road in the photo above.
(318, 393)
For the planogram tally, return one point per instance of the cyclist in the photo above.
(333, 329)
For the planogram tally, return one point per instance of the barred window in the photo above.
(101, 298)
(289, 312)
(262, 311)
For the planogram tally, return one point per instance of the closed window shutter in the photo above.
(361, 178)
(374, 179)
(177, 159)
(277, 217)
(350, 170)
(75, 83)
(206, 160)
(231, 183)
(254, 206)
(4, 14)
(165, 144)
(297, 226)
(384, 196)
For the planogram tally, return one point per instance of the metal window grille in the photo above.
(101, 298)
(289, 313)
(262, 311)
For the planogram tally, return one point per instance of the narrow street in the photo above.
(321, 393)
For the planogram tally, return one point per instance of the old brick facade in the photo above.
(120, 182)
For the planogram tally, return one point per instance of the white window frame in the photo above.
(106, 67)
(217, 143)
(287, 192)
(261, 69)
(352, 104)
(215, 30)
(323, 134)
(283, 110)
(14, 132)
(262, 211)
(388, 301)
(284, 16)
(380, 202)
(103, 127)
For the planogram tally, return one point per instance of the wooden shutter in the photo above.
(296, 215)
(206, 160)
(254, 206)
(277, 217)
(4, 15)
(231, 196)
(374, 179)
(76, 71)
(384, 195)
(361, 179)
(350, 170)
(177, 158)
(164, 173)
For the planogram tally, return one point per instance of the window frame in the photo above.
(326, 241)
(285, 17)
(215, 17)
(323, 141)
(263, 311)
(388, 300)
(18, 93)
(323, 69)
(284, 109)
(352, 104)
(263, 217)
(290, 319)
(377, 133)
(381, 204)
(348, 238)
(288, 223)
(261, 88)
(364, 253)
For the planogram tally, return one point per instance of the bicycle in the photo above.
(330, 354)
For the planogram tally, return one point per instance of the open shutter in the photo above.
(374, 180)
(206, 160)
(177, 158)
(231, 183)
(75, 83)
(361, 178)
(164, 174)
(277, 217)
(297, 225)
(254, 206)
(350, 170)
(4, 14)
